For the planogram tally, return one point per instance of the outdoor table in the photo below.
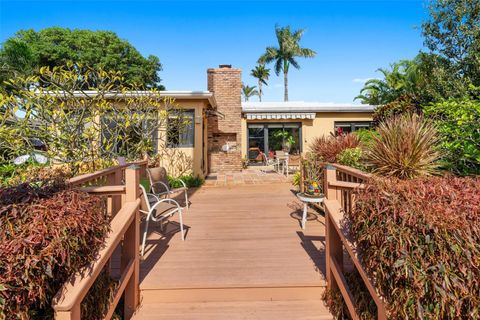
(306, 199)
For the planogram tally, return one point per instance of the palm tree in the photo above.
(262, 74)
(284, 55)
(401, 81)
(249, 92)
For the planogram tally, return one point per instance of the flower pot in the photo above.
(313, 188)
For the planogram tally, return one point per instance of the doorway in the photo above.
(271, 137)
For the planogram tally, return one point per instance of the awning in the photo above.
(280, 116)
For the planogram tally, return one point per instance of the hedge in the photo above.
(458, 124)
(46, 234)
(420, 242)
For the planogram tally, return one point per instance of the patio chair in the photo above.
(121, 161)
(160, 186)
(158, 210)
(282, 159)
(268, 162)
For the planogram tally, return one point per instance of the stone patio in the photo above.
(263, 175)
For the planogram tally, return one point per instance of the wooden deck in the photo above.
(244, 257)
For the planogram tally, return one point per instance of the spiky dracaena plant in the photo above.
(404, 148)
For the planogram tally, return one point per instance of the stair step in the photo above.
(261, 310)
(232, 294)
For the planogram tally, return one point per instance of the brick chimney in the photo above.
(224, 133)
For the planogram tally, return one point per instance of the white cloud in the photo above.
(274, 86)
(361, 80)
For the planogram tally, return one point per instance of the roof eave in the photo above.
(340, 110)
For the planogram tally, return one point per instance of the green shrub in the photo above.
(190, 180)
(405, 148)
(327, 148)
(12, 175)
(365, 136)
(420, 242)
(7, 171)
(46, 235)
(351, 157)
(296, 178)
(458, 124)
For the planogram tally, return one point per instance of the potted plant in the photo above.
(286, 139)
(312, 175)
(288, 142)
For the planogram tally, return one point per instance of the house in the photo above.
(225, 128)
(266, 125)
(222, 129)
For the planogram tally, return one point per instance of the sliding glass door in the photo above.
(271, 137)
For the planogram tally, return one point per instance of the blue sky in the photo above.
(352, 38)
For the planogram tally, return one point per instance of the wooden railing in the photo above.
(108, 178)
(120, 185)
(339, 184)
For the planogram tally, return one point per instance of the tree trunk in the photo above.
(260, 90)
(285, 84)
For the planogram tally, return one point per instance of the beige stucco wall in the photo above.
(323, 124)
(195, 152)
(199, 166)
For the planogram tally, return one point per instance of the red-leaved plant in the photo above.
(46, 234)
(327, 148)
(420, 242)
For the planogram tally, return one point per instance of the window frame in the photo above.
(169, 144)
(354, 125)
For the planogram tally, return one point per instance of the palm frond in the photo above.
(297, 34)
(294, 63)
(278, 66)
(249, 92)
(271, 54)
(307, 53)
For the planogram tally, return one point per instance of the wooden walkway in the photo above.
(244, 257)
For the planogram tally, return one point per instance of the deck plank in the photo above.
(261, 310)
(238, 236)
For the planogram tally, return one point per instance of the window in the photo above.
(346, 127)
(122, 140)
(181, 129)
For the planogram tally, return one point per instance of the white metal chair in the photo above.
(267, 162)
(282, 159)
(160, 186)
(157, 210)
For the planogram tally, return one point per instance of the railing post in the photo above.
(117, 200)
(329, 175)
(131, 242)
